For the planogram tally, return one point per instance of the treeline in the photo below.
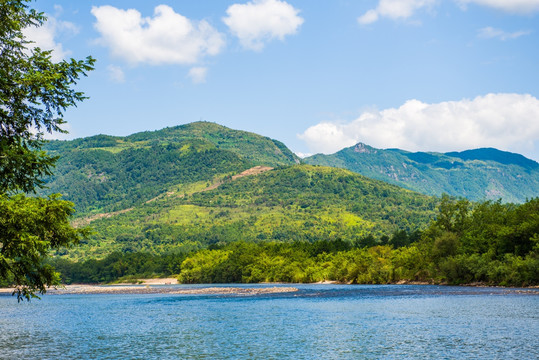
(489, 242)
(118, 266)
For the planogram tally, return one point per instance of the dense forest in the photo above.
(103, 180)
(488, 243)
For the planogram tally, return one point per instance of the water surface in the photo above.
(317, 322)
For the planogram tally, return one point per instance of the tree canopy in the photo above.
(34, 94)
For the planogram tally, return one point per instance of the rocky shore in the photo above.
(146, 289)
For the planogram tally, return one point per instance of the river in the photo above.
(316, 322)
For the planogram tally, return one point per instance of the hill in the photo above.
(108, 173)
(292, 203)
(480, 174)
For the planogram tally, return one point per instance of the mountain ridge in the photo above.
(477, 174)
(106, 173)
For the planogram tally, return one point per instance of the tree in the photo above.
(34, 94)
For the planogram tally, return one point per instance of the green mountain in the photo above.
(480, 174)
(108, 173)
(197, 185)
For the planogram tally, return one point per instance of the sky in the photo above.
(420, 75)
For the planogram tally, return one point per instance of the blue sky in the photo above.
(421, 75)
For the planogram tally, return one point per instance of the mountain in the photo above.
(198, 185)
(108, 173)
(480, 174)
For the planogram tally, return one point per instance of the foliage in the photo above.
(100, 180)
(107, 173)
(30, 227)
(251, 147)
(298, 203)
(34, 93)
(488, 242)
(117, 266)
(452, 250)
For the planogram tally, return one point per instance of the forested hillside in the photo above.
(481, 174)
(293, 203)
(106, 173)
(486, 243)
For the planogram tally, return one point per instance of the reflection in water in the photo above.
(319, 321)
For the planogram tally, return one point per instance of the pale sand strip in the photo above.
(164, 281)
(132, 289)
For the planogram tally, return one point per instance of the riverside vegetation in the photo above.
(489, 243)
(182, 201)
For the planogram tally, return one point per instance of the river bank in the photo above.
(158, 289)
(171, 286)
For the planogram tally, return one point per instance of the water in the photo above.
(318, 322)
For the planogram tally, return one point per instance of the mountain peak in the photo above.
(364, 149)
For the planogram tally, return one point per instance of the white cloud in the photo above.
(116, 73)
(504, 121)
(522, 7)
(394, 9)
(327, 137)
(259, 21)
(166, 38)
(302, 155)
(45, 36)
(491, 33)
(404, 9)
(59, 135)
(198, 74)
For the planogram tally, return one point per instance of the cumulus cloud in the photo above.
(198, 74)
(116, 73)
(491, 33)
(58, 135)
(521, 7)
(302, 154)
(404, 9)
(394, 9)
(504, 121)
(165, 38)
(259, 21)
(45, 36)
